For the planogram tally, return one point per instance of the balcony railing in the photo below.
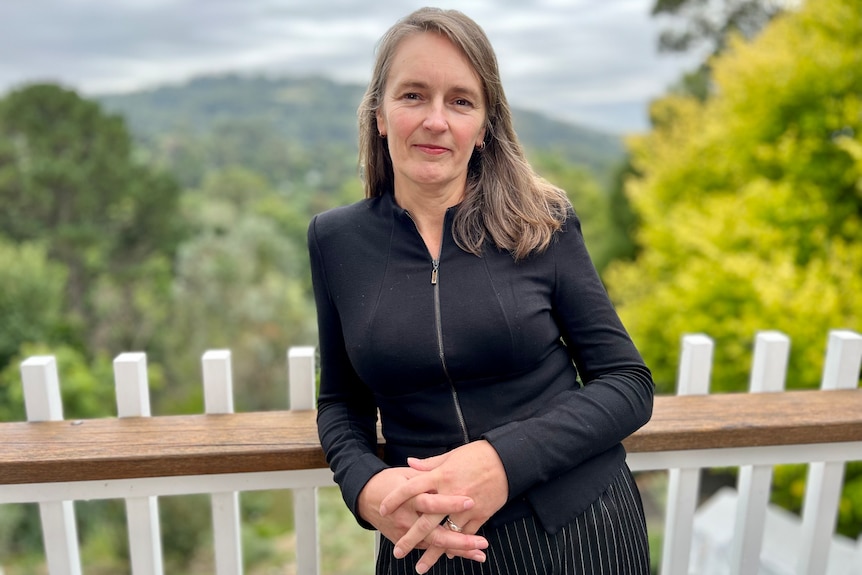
(136, 457)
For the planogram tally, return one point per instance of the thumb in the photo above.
(428, 463)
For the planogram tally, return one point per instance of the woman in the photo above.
(458, 301)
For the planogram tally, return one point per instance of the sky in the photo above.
(591, 62)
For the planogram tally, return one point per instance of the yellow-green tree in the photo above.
(751, 202)
(750, 206)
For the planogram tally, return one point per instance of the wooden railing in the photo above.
(138, 458)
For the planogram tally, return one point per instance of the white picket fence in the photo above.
(825, 476)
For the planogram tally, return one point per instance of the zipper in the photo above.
(438, 325)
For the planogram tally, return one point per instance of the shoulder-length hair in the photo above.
(505, 199)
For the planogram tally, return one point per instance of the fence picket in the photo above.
(768, 374)
(823, 487)
(43, 403)
(302, 386)
(142, 513)
(695, 369)
(218, 398)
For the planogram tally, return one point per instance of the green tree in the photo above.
(240, 283)
(590, 202)
(68, 179)
(31, 296)
(712, 22)
(751, 203)
(708, 25)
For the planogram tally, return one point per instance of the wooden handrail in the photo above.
(166, 446)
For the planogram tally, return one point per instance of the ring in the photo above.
(452, 526)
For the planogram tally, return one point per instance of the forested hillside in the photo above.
(320, 114)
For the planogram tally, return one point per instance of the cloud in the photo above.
(590, 61)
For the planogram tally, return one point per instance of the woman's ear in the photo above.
(480, 143)
(381, 125)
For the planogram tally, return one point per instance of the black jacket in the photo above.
(471, 348)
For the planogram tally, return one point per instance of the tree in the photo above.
(751, 203)
(712, 22)
(758, 186)
(588, 200)
(68, 179)
(30, 298)
(708, 25)
(240, 283)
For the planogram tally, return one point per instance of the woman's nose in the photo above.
(435, 119)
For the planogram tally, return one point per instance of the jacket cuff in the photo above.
(355, 479)
(519, 461)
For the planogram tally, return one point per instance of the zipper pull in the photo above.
(435, 265)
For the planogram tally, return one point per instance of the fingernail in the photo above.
(383, 511)
(421, 568)
(398, 552)
(469, 504)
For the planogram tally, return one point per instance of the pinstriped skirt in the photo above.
(609, 538)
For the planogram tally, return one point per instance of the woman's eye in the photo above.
(411, 96)
(463, 102)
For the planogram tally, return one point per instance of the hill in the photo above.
(319, 112)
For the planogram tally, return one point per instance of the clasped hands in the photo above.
(408, 504)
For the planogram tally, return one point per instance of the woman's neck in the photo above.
(428, 211)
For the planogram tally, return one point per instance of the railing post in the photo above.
(695, 370)
(768, 373)
(43, 402)
(823, 487)
(142, 513)
(218, 398)
(302, 384)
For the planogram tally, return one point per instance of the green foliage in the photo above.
(87, 385)
(68, 181)
(591, 205)
(240, 284)
(751, 207)
(712, 22)
(31, 291)
(751, 203)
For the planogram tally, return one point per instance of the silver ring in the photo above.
(452, 526)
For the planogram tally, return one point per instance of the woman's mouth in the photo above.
(432, 149)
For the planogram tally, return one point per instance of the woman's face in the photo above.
(432, 113)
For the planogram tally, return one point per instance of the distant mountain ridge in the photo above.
(318, 112)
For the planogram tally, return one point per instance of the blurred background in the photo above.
(160, 161)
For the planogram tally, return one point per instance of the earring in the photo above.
(481, 146)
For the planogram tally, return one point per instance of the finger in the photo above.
(433, 554)
(405, 492)
(428, 463)
(428, 559)
(471, 554)
(421, 528)
(445, 504)
(451, 541)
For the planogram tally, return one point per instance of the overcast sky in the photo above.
(593, 62)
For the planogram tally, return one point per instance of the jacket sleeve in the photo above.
(347, 412)
(616, 395)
